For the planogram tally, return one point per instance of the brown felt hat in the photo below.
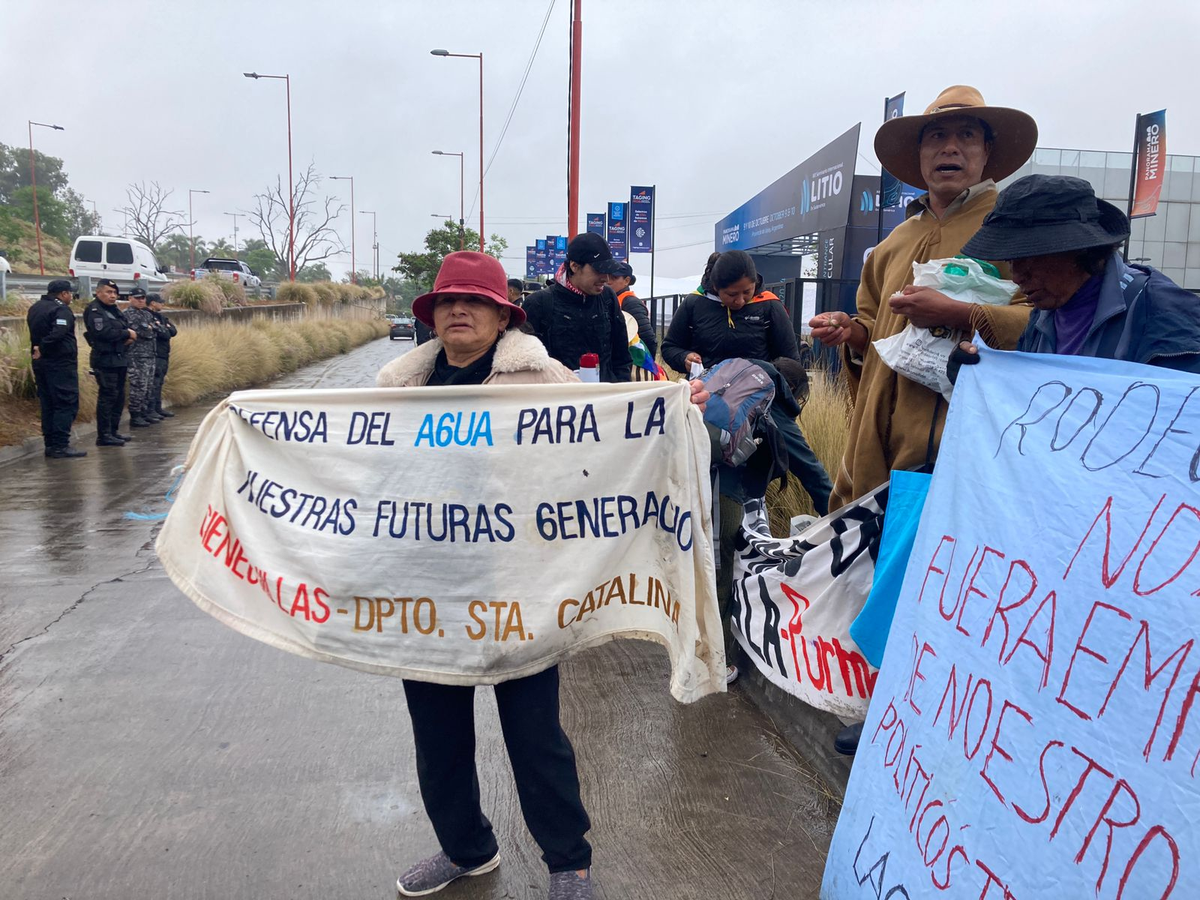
(897, 142)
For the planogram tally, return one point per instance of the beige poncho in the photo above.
(893, 417)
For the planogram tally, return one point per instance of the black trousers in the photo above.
(160, 373)
(443, 718)
(803, 463)
(110, 402)
(58, 393)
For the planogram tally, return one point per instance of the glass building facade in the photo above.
(1169, 240)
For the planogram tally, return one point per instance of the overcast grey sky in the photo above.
(711, 101)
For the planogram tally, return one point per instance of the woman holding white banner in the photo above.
(478, 343)
(470, 313)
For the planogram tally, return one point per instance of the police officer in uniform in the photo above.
(109, 336)
(55, 357)
(166, 331)
(143, 355)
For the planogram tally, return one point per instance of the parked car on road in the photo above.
(402, 328)
(233, 269)
(128, 262)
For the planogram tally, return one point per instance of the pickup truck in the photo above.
(233, 269)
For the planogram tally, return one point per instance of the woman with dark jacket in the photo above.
(478, 342)
(723, 323)
(1063, 244)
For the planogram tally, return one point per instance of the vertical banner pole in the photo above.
(653, 232)
(879, 219)
(1137, 132)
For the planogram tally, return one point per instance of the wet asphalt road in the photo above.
(146, 751)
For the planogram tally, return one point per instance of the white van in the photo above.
(128, 262)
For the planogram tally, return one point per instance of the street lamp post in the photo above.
(37, 222)
(478, 56)
(461, 221)
(350, 178)
(235, 232)
(374, 238)
(191, 231)
(287, 79)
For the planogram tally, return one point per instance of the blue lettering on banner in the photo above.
(455, 428)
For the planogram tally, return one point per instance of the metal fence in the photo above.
(801, 297)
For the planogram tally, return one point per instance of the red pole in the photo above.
(37, 223)
(291, 185)
(573, 177)
(481, 250)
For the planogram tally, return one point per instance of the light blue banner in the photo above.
(1034, 729)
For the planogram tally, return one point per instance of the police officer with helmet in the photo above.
(109, 336)
(55, 356)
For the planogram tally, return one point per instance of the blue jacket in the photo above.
(1141, 316)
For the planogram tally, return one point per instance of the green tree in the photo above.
(61, 210)
(317, 271)
(52, 212)
(175, 250)
(80, 219)
(221, 248)
(258, 256)
(14, 173)
(422, 268)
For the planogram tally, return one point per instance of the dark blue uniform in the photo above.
(106, 330)
(56, 371)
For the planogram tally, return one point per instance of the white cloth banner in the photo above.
(795, 597)
(459, 534)
(1035, 730)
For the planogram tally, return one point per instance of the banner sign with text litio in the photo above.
(813, 197)
(460, 535)
(1035, 727)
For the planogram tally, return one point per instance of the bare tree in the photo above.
(316, 238)
(149, 219)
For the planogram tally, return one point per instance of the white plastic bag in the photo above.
(921, 354)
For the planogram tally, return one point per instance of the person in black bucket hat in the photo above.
(1064, 246)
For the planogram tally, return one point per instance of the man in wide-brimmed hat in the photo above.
(956, 150)
(1064, 247)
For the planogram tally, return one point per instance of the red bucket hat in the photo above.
(469, 272)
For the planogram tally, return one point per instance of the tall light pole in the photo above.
(478, 56)
(37, 222)
(235, 218)
(573, 133)
(462, 234)
(287, 80)
(191, 232)
(349, 178)
(374, 237)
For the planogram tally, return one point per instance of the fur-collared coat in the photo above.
(520, 359)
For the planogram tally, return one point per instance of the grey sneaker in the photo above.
(569, 886)
(431, 875)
